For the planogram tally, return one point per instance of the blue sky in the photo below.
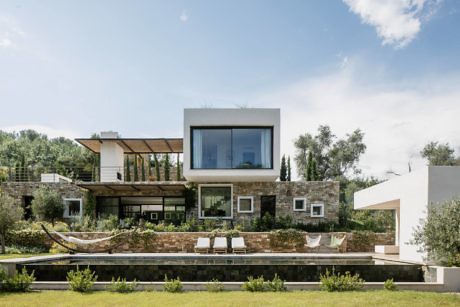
(389, 67)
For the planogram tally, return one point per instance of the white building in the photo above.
(410, 196)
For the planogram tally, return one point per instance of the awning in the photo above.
(157, 186)
(137, 146)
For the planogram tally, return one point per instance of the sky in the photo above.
(388, 67)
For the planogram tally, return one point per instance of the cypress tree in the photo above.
(167, 167)
(143, 169)
(178, 168)
(288, 178)
(314, 171)
(283, 169)
(157, 167)
(128, 170)
(149, 166)
(309, 166)
(136, 173)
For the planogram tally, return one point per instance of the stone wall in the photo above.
(326, 192)
(257, 242)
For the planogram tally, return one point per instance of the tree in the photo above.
(288, 178)
(309, 167)
(438, 234)
(178, 176)
(167, 167)
(143, 169)
(157, 167)
(128, 169)
(136, 171)
(10, 213)
(283, 169)
(314, 171)
(47, 205)
(334, 158)
(439, 154)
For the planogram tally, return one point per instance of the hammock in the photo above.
(77, 241)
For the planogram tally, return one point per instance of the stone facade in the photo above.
(256, 242)
(326, 192)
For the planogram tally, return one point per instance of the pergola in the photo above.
(137, 145)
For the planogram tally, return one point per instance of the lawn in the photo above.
(10, 256)
(297, 298)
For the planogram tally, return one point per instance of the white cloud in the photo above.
(397, 22)
(397, 122)
(183, 17)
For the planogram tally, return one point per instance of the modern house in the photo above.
(410, 196)
(231, 164)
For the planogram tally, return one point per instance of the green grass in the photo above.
(11, 256)
(297, 298)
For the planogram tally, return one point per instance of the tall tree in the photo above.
(47, 205)
(167, 167)
(283, 169)
(309, 167)
(439, 154)
(334, 157)
(136, 171)
(288, 178)
(157, 167)
(313, 171)
(142, 169)
(128, 169)
(10, 213)
(178, 175)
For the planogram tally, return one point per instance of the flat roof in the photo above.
(159, 186)
(137, 145)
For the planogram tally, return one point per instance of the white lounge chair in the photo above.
(238, 245)
(336, 242)
(220, 245)
(313, 243)
(202, 245)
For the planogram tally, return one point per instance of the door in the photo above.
(268, 205)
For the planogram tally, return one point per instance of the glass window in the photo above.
(232, 148)
(212, 148)
(107, 206)
(317, 210)
(245, 204)
(300, 204)
(215, 201)
(72, 207)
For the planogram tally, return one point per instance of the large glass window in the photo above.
(215, 201)
(72, 207)
(232, 148)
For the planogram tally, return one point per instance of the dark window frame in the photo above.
(231, 145)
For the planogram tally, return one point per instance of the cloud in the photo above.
(183, 17)
(397, 22)
(397, 120)
(10, 32)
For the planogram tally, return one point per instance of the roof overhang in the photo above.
(158, 186)
(137, 145)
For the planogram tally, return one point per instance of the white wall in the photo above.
(112, 158)
(232, 117)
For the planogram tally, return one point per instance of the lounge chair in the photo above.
(220, 245)
(238, 245)
(202, 245)
(336, 242)
(313, 243)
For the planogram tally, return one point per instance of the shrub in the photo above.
(276, 284)
(390, 285)
(254, 284)
(172, 285)
(108, 224)
(2, 275)
(16, 249)
(10, 213)
(19, 282)
(47, 205)
(215, 286)
(121, 285)
(286, 238)
(83, 224)
(438, 233)
(340, 282)
(81, 281)
(27, 238)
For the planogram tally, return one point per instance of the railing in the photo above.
(73, 174)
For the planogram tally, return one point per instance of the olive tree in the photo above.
(47, 205)
(439, 233)
(10, 213)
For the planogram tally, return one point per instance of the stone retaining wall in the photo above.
(257, 242)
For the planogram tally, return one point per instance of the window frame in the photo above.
(304, 208)
(320, 204)
(66, 213)
(271, 128)
(217, 185)
(252, 204)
